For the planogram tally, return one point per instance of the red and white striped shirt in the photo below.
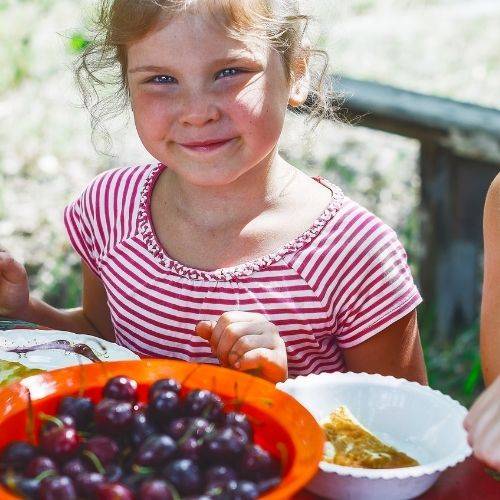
(333, 287)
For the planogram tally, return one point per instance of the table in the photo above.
(467, 481)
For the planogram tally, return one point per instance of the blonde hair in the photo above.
(103, 63)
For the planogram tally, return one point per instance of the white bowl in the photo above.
(415, 419)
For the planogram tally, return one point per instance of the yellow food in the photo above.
(350, 444)
(11, 371)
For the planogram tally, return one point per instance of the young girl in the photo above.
(223, 251)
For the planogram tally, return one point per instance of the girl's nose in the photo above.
(198, 110)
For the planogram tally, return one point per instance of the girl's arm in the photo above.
(394, 351)
(93, 318)
(490, 306)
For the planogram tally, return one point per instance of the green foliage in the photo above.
(453, 366)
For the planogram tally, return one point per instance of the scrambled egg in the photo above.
(350, 444)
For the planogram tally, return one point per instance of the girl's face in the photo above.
(209, 107)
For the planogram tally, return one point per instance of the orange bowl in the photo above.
(282, 426)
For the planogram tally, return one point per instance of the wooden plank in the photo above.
(418, 111)
(452, 199)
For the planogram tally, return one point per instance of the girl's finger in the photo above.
(228, 318)
(264, 360)
(204, 329)
(231, 335)
(249, 343)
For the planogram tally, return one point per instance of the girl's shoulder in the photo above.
(117, 186)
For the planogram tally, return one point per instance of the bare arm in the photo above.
(490, 306)
(92, 318)
(394, 351)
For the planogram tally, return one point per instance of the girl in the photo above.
(483, 420)
(223, 251)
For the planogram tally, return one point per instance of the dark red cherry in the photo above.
(17, 454)
(80, 408)
(57, 488)
(113, 417)
(155, 489)
(103, 447)
(60, 443)
(38, 465)
(121, 388)
(114, 491)
(163, 385)
(155, 451)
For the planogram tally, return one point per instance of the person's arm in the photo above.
(394, 351)
(92, 318)
(490, 306)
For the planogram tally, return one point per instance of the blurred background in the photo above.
(444, 48)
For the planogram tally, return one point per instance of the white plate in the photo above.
(52, 359)
(415, 419)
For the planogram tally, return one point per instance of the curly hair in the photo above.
(101, 69)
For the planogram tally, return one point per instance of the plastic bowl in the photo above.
(420, 421)
(282, 426)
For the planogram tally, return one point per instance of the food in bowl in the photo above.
(10, 371)
(177, 444)
(352, 445)
(422, 422)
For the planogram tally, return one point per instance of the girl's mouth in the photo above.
(208, 146)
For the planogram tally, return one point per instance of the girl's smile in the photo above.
(208, 146)
(215, 115)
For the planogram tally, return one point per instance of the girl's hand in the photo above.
(14, 290)
(247, 342)
(483, 426)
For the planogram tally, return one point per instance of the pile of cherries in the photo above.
(176, 447)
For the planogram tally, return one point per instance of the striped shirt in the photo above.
(336, 285)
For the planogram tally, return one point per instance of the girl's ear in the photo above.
(299, 89)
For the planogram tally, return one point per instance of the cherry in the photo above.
(74, 467)
(60, 443)
(165, 406)
(81, 409)
(17, 454)
(38, 465)
(240, 420)
(114, 491)
(87, 482)
(242, 490)
(104, 448)
(203, 403)
(217, 476)
(257, 464)
(163, 385)
(113, 417)
(155, 451)
(65, 420)
(185, 475)
(142, 427)
(155, 489)
(225, 446)
(57, 488)
(121, 388)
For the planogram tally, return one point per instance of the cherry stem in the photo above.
(51, 418)
(139, 469)
(95, 461)
(45, 474)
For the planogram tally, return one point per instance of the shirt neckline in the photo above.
(146, 229)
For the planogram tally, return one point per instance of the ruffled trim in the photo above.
(153, 245)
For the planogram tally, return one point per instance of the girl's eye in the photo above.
(229, 72)
(162, 79)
